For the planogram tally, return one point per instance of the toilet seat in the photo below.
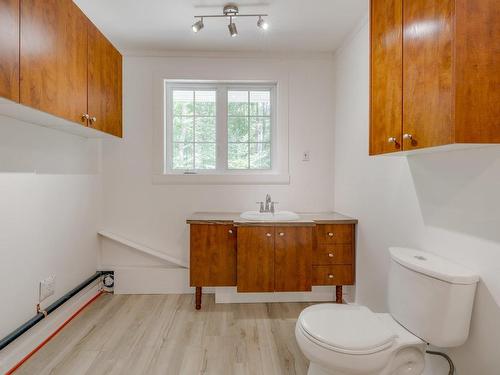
(347, 329)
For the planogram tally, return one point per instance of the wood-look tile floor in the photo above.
(164, 334)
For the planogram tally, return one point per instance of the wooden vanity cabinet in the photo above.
(9, 49)
(271, 258)
(435, 73)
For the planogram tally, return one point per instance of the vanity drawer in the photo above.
(326, 254)
(335, 233)
(333, 275)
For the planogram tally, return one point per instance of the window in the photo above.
(219, 128)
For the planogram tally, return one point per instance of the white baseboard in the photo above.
(151, 280)
(318, 294)
(161, 280)
(22, 346)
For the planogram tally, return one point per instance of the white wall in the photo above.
(50, 191)
(155, 215)
(446, 203)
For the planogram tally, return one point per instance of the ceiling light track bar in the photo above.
(232, 15)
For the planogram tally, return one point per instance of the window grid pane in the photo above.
(194, 129)
(249, 124)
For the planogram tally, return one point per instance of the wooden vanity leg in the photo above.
(338, 290)
(198, 297)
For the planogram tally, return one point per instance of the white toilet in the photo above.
(430, 301)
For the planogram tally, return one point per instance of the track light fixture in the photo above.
(230, 11)
(262, 23)
(232, 28)
(198, 25)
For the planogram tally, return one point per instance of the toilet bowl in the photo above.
(352, 340)
(430, 300)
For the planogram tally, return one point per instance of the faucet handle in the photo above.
(272, 206)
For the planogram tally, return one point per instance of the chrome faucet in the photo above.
(267, 206)
(268, 203)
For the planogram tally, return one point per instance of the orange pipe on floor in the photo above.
(20, 363)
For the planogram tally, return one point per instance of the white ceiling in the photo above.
(158, 25)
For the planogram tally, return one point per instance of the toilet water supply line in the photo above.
(445, 356)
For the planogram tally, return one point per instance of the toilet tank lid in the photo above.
(433, 266)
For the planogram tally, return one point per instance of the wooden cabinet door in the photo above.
(9, 49)
(104, 83)
(293, 259)
(212, 255)
(427, 73)
(477, 71)
(54, 58)
(255, 259)
(386, 86)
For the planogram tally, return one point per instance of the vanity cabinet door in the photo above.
(212, 255)
(255, 259)
(9, 49)
(293, 254)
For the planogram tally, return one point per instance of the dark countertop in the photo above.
(235, 219)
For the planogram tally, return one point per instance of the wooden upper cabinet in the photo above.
(450, 87)
(212, 255)
(386, 76)
(427, 73)
(54, 58)
(255, 259)
(293, 259)
(9, 49)
(104, 83)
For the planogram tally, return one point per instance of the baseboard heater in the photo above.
(54, 306)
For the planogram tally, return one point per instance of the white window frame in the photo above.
(222, 116)
(277, 175)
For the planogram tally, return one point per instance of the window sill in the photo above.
(243, 179)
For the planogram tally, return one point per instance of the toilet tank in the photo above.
(430, 296)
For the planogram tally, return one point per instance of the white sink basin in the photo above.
(268, 216)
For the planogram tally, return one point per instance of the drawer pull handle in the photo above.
(330, 255)
(330, 234)
(268, 234)
(282, 234)
(230, 231)
(330, 276)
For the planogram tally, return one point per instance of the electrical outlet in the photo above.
(305, 156)
(47, 288)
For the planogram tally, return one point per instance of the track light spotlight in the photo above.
(232, 28)
(197, 26)
(262, 23)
